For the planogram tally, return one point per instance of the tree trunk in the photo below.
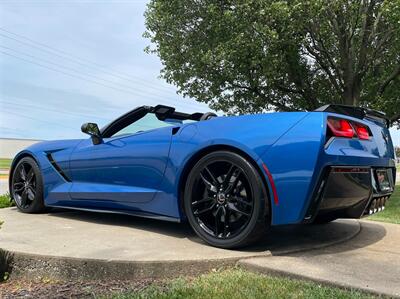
(351, 94)
(356, 90)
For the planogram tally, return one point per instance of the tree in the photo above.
(244, 56)
(397, 150)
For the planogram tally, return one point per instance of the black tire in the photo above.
(27, 186)
(239, 206)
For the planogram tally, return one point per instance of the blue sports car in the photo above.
(231, 178)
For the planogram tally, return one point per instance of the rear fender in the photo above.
(293, 162)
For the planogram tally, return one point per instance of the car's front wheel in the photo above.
(27, 186)
(225, 200)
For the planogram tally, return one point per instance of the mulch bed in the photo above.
(69, 289)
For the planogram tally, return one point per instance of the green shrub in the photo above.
(5, 201)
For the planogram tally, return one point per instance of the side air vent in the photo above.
(57, 167)
(175, 130)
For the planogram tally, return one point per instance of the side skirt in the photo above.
(121, 212)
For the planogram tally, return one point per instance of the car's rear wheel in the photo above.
(225, 200)
(27, 186)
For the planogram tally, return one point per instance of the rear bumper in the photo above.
(350, 192)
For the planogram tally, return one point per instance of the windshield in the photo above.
(148, 122)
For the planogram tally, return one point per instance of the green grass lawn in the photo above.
(5, 163)
(236, 283)
(392, 210)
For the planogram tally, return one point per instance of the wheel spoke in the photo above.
(234, 208)
(229, 174)
(216, 226)
(226, 222)
(31, 193)
(242, 201)
(209, 186)
(221, 222)
(223, 215)
(231, 179)
(24, 197)
(205, 210)
(214, 180)
(217, 221)
(30, 175)
(18, 187)
(22, 172)
(206, 199)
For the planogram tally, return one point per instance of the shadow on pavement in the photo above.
(279, 240)
(296, 238)
(370, 233)
(177, 230)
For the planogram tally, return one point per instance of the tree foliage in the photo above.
(397, 150)
(244, 56)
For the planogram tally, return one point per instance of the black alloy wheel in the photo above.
(225, 200)
(27, 186)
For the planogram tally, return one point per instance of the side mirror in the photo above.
(93, 130)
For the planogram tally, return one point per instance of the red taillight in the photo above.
(340, 127)
(362, 131)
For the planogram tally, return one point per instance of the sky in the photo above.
(63, 63)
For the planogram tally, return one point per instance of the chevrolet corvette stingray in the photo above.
(231, 178)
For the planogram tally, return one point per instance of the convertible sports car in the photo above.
(231, 178)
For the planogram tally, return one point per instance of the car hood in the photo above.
(53, 146)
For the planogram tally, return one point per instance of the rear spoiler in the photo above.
(357, 112)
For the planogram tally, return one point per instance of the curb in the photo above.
(33, 266)
(282, 273)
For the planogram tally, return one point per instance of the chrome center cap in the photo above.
(221, 198)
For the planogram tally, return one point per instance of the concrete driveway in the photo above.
(370, 261)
